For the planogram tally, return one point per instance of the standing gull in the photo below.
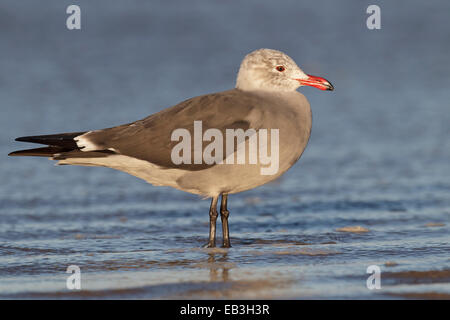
(264, 101)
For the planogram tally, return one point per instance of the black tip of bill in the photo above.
(330, 87)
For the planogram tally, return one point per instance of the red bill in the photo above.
(316, 82)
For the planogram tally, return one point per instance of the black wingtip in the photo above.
(62, 139)
(17, 153)
(27, 139)
(38, 139)
(39, 152)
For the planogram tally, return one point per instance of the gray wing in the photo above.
(149, 139)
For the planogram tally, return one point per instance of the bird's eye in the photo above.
(280, 68)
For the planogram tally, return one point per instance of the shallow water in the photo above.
(378, 157)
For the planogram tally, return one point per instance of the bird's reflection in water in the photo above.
(218, 266)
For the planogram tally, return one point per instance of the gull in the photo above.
(265, 99)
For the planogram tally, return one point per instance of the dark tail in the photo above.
(56, 144)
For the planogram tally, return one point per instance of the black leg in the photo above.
(224, 213)
(212, 223)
